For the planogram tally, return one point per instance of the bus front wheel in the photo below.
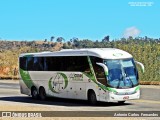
(92, 98)
(34, 93)
(42, 93)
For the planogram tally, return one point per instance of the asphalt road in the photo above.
(10, 95)
(9, 85)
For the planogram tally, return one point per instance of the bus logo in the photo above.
(117, 54)
(76, 77)
(58, 83)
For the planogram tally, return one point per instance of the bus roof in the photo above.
(105, 53)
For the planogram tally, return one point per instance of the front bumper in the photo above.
(114, 97)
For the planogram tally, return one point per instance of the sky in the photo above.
(84, 19)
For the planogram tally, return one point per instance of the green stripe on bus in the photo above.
(65, 79)
(26, 78)
(92, 76)
(137, 88)
(50, 86)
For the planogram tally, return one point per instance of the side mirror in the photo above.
(104, 67)
(142, 66)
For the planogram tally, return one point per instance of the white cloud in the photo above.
(131, 31)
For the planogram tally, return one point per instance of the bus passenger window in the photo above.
(30, 63)
(23, 63)
(38, 64)
(45, 64)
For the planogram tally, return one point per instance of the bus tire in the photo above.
(42, 93)
(34, 93)
(92, 97)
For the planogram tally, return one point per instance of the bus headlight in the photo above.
(113, 92)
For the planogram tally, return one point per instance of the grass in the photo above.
(9, 77)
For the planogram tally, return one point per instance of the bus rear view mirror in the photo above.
(104, 67)
(142, 66)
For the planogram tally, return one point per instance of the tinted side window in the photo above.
(23, 63)
(62, 63)
(38, 64)
(30, 63)
(48, 64)
(83, 64)
(54, 64)
(67, 63)
(59, 63)
(77, 63)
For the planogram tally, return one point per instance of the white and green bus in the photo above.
(95, 74)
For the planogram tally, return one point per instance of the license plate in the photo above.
(125, 97)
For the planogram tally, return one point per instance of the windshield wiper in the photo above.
(129, 78)
(119, 82)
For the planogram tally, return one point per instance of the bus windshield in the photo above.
(121, 73)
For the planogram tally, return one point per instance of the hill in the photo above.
(145, 51)
(10, 50)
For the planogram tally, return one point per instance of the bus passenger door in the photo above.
(100, 75)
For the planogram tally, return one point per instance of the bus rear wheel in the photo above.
(42, 93)
(34, 93)
(92, 98)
